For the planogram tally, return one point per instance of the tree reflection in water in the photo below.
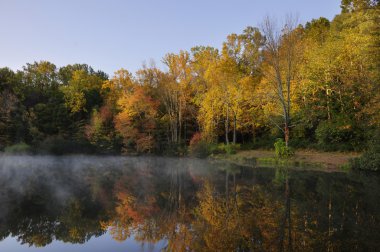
(191, 204)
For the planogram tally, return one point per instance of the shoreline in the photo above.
(303, 159)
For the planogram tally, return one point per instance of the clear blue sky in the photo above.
(114, 34)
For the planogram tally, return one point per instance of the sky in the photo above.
(113, 34)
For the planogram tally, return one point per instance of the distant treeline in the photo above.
(315, 86)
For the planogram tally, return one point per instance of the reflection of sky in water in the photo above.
(103, 243)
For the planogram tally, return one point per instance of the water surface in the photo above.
(80, 203)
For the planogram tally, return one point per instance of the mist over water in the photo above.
(80, 203)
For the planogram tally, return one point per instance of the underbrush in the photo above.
(201, 148)
(370, 160)
(60, 146)
(19, 148)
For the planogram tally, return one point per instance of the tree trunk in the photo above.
(179, 124)
(254, 133)
(234, 136)
(286, 133)
(175, 131)
(227, 125)
(328, 104)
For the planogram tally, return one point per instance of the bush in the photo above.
(57, 145)
(282, 151)
(171, 149)
(199, 147)
(202, 149)
(19, 148)
(229, 149)
(340, 134)
(370, 160)
(302, 143)
(264, 142)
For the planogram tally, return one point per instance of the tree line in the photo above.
(314, 85)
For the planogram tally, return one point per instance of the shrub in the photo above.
(57, 145)
(195, 139)
(229, 149)
(302, 143)
(264, 142)
(340, 134)
(370, 160)
(199, 147)
(202, 149)
(281, 150)
(18, 148)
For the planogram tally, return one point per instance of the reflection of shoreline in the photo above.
(188, 204)
(102, 243)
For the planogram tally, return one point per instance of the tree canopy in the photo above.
(315, 85)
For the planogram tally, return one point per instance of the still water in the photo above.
(81, 203)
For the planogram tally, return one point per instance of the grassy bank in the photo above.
(303, 159)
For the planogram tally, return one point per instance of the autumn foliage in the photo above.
(313, 85)
(137, 120)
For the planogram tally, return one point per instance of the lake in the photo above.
(82, 203)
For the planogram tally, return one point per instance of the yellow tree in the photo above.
(340, 77)
(202, 59)
(231, 88)
(175, 93)
(221, 95)
(121, 83)
(203, 62)
(230, 84)
(210, 112)
(215, 104)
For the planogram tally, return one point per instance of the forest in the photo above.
(314, 86)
